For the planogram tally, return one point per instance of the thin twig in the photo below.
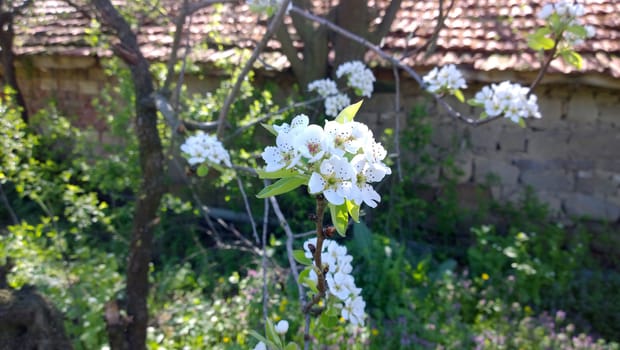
(289, 246)
(264, 258)
(246, 203)
(273, 26)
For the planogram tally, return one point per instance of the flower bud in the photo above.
(282, 327)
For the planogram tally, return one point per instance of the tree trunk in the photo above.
(152, 187)
(8, 58)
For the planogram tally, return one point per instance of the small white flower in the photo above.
(282, 327)
(323, 87)
(444, 80)
(353, 310)
(334, 179)
(359, 77)
(202, 148)
(310, 143)
(260, 346)
(336, 103)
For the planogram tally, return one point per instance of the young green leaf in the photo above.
(522, 122)
(573, 58)
(304, 278)
(353, 209)
(259, 337)
(272, 335)
(340, 217)
(300, 257)
(262, 174)
(579, 31)
(459, 95)
(347, 114)
(282, 186)
(202, 170)
(270, 129)
(291, 346)
(539, 42)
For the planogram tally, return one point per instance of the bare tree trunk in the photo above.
(152, 187)
(8, 57)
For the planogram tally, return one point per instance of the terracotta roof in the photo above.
(485, 35)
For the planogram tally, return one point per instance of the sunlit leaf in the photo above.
(262, 174)
(270, 128)
(300, 257)
(340, 217)
(202, 170)
(282, 186)
(349, 113)
(353, 209)
(573, 58)
(540, 42)
(459, 95)
(272, 335)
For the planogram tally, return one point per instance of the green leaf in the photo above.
(259, 337)
(348, 113)
(291, 346)
(270, 331)
(262, 174)
(540, 42)
(305, 280)
(474, 103)
(573, 58)
(353, 209)
(270, 128)
(202, 170)
(282, 186)
(459, 95)
(522, 123)
(579, 31)
(300, 257)
(340, 217)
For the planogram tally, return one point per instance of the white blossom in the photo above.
(282, 327)
(202, 148)
(447, 79)
(340, 282)
(341, 159)
(336, 103)
(323, 87)
(568, 13)
(513, 101)
(260, 346)
(359, 77)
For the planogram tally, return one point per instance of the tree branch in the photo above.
(386, 22)
(275, 22)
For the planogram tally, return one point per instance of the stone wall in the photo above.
(570, 157)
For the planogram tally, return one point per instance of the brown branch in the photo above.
(275, 22)
(152, 186)
(547, 63)
(386, 22)
(441, 20)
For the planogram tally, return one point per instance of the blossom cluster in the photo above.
(359, 78)
(341, 159)
(511, 100)
(568, 13)
(340, 282)
(445, 80)
(202, 148)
